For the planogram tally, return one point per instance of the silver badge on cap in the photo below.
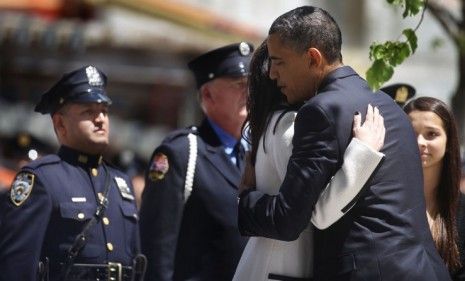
(94, 76)
(244, 49)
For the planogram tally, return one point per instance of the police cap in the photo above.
(84, 85)
(25, 146)
(399, 92)
(231, 60)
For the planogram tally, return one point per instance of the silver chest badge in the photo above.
(124, 188)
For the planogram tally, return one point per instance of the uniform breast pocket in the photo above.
(74, 217)
(131, 218)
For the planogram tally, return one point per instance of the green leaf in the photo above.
(413, 7)
(398, 53)
(377, 51)
(389, 54)
(411, 39)
(396, 2)
(378, 73)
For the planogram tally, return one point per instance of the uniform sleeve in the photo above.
(360, 161)
(313, 161)
(161, 211)
(22, 233)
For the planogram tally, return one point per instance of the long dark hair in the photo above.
(264, 98)
(448, 191)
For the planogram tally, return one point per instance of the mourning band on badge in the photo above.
(124, 189)
(21, 188)
(159, 166)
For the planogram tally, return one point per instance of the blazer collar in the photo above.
(341, 72)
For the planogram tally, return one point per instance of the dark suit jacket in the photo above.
(198, 240)
(385, 236)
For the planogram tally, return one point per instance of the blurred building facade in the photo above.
(144, 45)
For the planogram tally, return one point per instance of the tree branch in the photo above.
(447, 21)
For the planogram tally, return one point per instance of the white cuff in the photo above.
(360, 161)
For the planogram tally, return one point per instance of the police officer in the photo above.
(399, 92)
(189, 205)
(70, 216)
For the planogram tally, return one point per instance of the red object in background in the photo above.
(48, 9)
(6, 177)
(51, 9)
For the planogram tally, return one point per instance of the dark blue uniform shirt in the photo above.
(51, 201)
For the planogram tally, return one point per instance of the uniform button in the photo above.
(81, 216)
(106, 221)
(100, 196)
(94, 172)
(110, 247)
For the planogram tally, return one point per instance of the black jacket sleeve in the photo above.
(313, 161)
(161, 214)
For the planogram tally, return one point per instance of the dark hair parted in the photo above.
(448, 190)
(264, 98)
(306, 27)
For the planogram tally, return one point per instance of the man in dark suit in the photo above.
(385, 235)
(189, 205)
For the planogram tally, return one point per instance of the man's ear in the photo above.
(58, 123)
(315, 58)
(206, 94)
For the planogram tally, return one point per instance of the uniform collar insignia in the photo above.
(82, 159)
(78, 158)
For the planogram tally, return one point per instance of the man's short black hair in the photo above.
(307, 27)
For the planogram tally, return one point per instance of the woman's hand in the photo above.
(248, 177)
(372, 131)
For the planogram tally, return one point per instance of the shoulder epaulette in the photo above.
(180, 133)
(46, 160)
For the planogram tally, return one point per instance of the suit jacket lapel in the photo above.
(214, 153)
(221, 162)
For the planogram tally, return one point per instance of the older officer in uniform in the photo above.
(189, 205)
(71, 216)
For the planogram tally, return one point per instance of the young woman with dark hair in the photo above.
(438, 143)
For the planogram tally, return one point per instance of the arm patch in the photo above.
(159, 166)
(21, 187)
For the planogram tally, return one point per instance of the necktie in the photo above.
(239, 152)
